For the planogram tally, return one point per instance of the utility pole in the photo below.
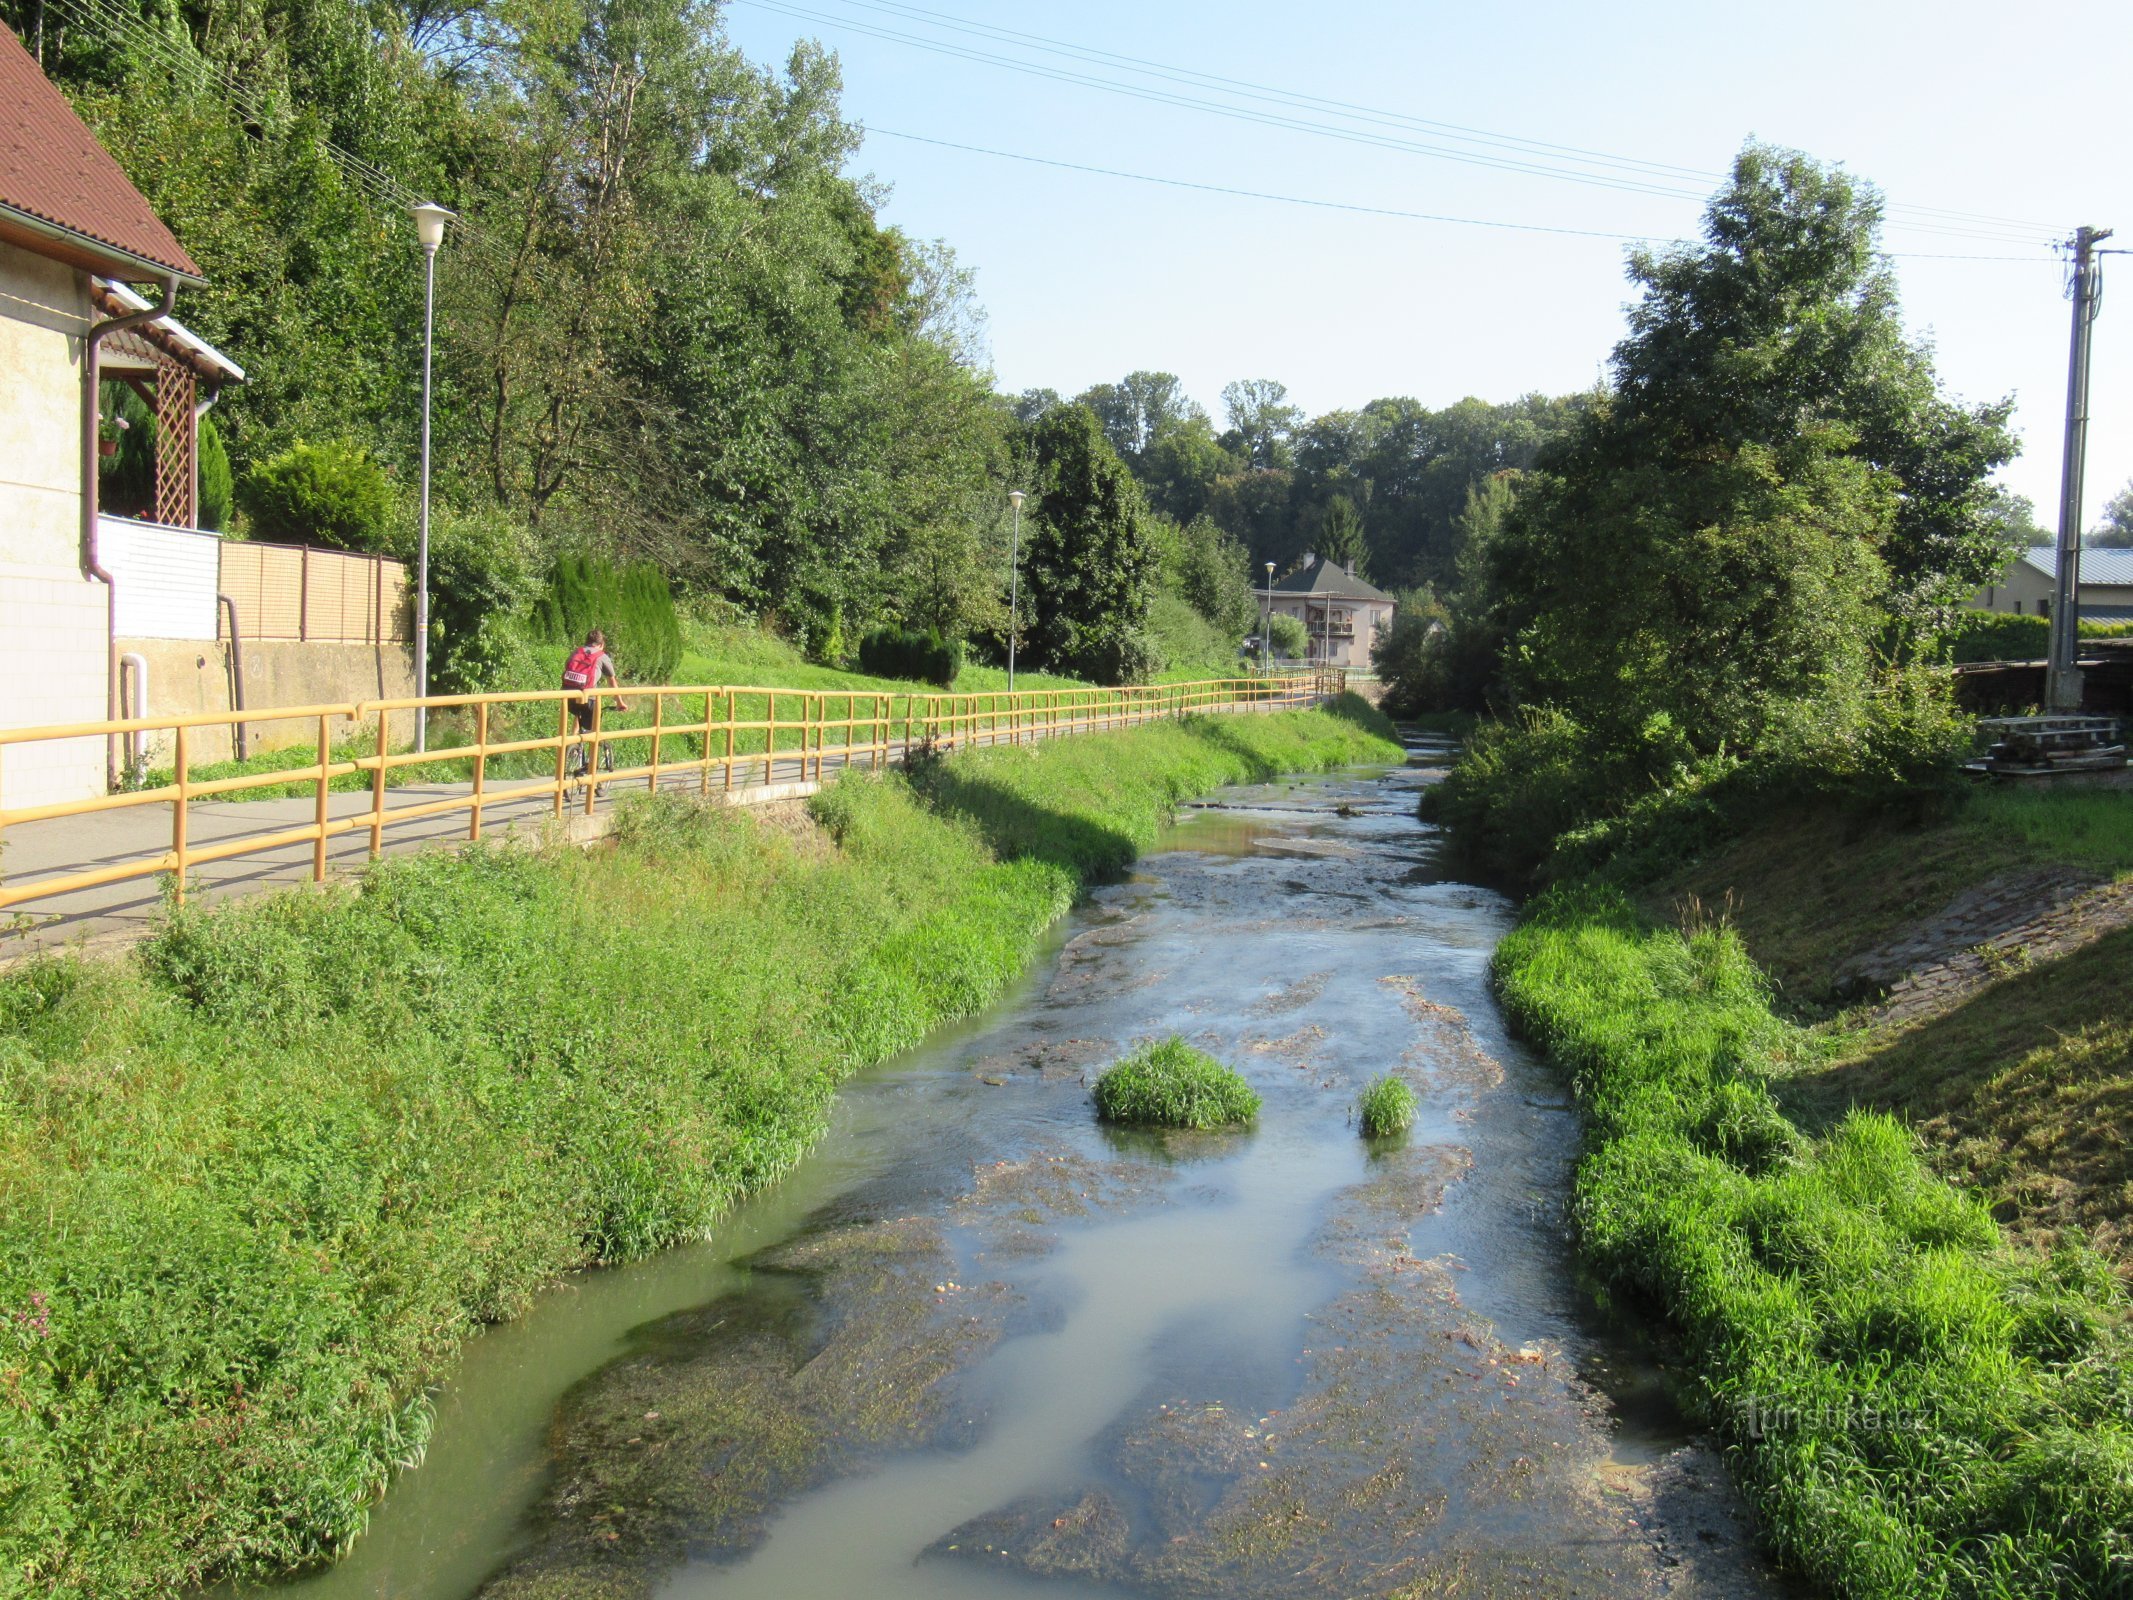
(2062, 676)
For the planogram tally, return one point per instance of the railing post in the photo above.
(481, 766)
(733, 701)
(319, 811)
(659, 718)
(770, 736)
(377, 785)
(177, 812)
(704, 780)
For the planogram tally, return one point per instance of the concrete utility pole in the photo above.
(2062, 677)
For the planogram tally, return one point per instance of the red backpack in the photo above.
(582, 670)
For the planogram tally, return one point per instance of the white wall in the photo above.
(166, 578)
(52, 618)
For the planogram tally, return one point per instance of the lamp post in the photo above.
(1266, 623)
(429, 232)
(1014, 587)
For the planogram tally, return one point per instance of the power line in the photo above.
(1253, 90)
(1651, 178)
(1363, 210)
(1260, 194)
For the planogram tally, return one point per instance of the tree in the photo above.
(2115, 531)
(1718, 545)
(1340, 536)
(1181, 466)
(1088, 558)
(1262, 420)
(1785, 319)
(1213, 572)
(1139, 409)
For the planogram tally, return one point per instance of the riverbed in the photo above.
(979, 1345)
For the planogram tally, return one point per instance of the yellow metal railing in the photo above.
(518, 748)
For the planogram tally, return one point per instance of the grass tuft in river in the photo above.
(1387, 1107)
(1171, 1085)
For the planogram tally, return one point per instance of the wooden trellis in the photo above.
(176, 481)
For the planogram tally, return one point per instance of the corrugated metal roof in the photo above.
(53, 171)
(2109, 568)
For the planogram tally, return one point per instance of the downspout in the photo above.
(236, 673)
(92, 567)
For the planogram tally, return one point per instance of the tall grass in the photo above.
(1914, 1409)
(1169, 1084)
(259, 1178)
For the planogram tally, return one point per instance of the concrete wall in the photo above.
(52, 618)
(193, 675)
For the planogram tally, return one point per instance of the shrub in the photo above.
(632, 605)
(918, 654)
(1903, 1396)
(218, 490)
(480, 570)
(330, 494)
(1387, 1107)
(1289, 637)
(1172, 1085)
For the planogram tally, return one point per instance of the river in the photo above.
(979, 1345)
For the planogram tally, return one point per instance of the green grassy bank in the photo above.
(1914, 1407)
(264, 1173)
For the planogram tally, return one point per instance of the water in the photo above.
(979, 1345)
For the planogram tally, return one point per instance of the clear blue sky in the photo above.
(2012, 112)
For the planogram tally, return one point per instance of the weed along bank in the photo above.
(289, 1152)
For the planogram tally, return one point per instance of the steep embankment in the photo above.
(263, 1175)
(1918, 1403)
(1973, 971)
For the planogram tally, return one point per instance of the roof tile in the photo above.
(52, 168)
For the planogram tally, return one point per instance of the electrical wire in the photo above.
(1641, 177)
(1364, 210)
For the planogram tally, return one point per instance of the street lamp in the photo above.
(1266, 623)
(1014, 587)
(429, 232)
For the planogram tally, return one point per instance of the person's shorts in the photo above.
(582, 711)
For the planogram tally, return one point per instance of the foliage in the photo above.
(912, 654)
(331, 494)
(2115, 529)
(481, 576)
(1387, 1107)
(1261, 421)
(1289, 637)
(1169, 1084)
(631, 604)
(1340, 537)
(1212, 572)
(1089, 558)
(265, 1174)
(1994, 636)
(218, 490)
(1412, 656)
(1913, 1409)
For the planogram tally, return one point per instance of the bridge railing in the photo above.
(519, 754)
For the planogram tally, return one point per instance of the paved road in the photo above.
(124, 910)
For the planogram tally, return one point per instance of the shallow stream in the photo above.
(978, 1345)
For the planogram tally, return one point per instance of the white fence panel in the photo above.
(165, 577)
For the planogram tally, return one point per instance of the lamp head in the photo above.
(1015, 498)
(429, 225)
